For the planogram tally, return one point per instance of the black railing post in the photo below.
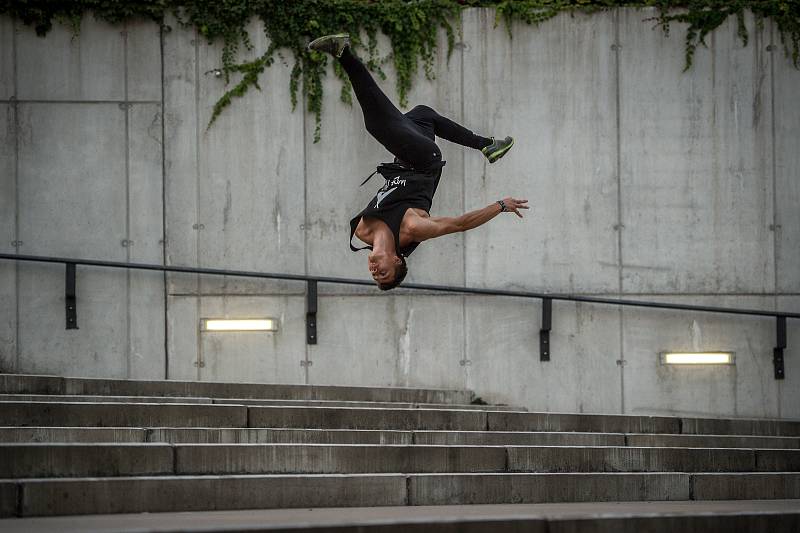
(777, 353)
(69, 297)
(311, 312)
(544, 333)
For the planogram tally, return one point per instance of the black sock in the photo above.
(483, 142)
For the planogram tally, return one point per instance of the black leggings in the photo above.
(409, 137)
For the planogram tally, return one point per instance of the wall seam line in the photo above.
(618, 170)
(15, 110)
(127, 204)
(88, 102)
(199, 286)
(307, 347)
(164, 203)
(775, 217)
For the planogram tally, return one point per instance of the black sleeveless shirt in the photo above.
(404, 188)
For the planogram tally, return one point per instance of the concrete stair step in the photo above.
(200, 415)
(36, 384)
(48, 497)
(108, 460)
(711, 441)
(345, 436)
(246, 401)
(755, 516)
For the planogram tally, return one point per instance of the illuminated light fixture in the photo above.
(250, 324)
(696, 358)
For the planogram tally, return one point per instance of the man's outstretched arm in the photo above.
(429, 228)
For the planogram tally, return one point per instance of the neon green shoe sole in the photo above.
(331, 44)
(497, 149)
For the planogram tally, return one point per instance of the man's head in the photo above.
(387, 269)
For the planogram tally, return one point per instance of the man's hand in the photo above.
(424, 228)
(513, 205)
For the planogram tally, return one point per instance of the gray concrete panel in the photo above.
(181, 131)
(146, 231)
(560, 107)
(61, 434)
(7, 78)
(499, 421)
(602, 459)
(72, 180)
(143, 42)
(321, 459)
(745, 486)
(183, 337)
(186, 493)
(346, 153)
(145, 186)
(502, 347)
(746, 388)
(275, 436)
(265, 357)
(333, 418)
(147, 318)
(8, 225)
(789, 388)
(778, 460)
(84, 460)
(250, 186)
(695, 160)
(412, 341)
(518, 438)
(711, 441)
(121, 415)
(98, 347)
(786, 84)
(87, 66)
(8, 498)
(434, 489)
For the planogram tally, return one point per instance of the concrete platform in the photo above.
(759, 516)
(768, 516)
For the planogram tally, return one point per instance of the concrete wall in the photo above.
(645, 182)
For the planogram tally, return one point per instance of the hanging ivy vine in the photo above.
(411, 26)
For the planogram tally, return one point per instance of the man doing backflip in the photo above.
(397, 219)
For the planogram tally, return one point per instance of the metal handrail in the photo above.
(311, 293)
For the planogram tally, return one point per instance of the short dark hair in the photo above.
(400, 272)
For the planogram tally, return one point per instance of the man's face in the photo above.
(382, 266)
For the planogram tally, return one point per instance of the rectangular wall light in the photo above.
(249, 324)
(697, 358)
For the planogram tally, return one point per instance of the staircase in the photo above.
(77, 446)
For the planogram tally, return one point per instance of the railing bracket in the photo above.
(544, 333)
(777, 353)
(311, 312)
(69, 297)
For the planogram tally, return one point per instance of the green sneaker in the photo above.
(331, 44)
(497, 149)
